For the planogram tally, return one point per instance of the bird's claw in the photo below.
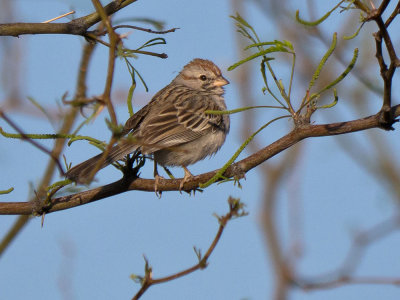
(183, 181)
(156, 182)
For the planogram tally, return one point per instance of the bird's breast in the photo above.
(191, 152)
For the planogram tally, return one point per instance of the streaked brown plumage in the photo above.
(173, 126)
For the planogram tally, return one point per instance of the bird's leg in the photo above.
(157, 180)
(186, 178)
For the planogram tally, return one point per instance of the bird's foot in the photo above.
(185, 179)
(156, 182)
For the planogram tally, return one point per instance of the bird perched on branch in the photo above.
(174, 126)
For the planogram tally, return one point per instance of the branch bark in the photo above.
(236, 170)
(78, 26)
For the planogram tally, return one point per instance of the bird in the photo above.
(173, 127)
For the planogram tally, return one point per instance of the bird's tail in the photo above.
(81, 173)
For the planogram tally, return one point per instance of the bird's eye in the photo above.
(203, 77)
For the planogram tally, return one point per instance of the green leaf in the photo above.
(241, 21)
(284, 44)
(251, 57)
(3, 192)
(159, 25)
(323, 61)
(153, 42)
(335, 101)
(320, 20)
(355, 34)
(343, 75)
(234, 111)
(221, 171)
(41, 108)
(132, 87)
(243, 26)
(35, 136)
(85, 138)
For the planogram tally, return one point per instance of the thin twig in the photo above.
(344, 273)
(146, 29)
(394, 13)
(235, 210)
(386, 73)
(106, 97)
(22, 221)
(114, 39)
(93, 37)
(33, 142)
(339, 282)
(59, 17)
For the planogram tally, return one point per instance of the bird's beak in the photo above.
(221, 81)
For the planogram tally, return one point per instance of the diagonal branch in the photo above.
(33, 142)
(68, 123)
(236, 170)
(106, 97)
(235, 210)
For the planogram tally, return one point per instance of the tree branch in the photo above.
(236, 170)
(235, 210)
(345, 273)
(75, 27)
(57, 148)
(386, 73)
(32, 141)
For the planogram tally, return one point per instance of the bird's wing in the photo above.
(134, 121)
(178, 122)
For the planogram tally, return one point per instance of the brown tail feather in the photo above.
(81, 172)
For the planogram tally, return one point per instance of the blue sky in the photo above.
(89, 252)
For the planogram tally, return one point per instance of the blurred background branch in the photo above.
(291, 211)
